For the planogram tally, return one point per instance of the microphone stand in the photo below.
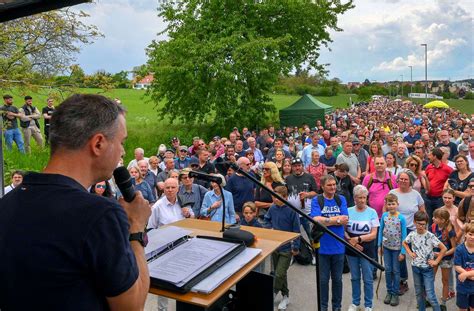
(316, 239)
(223, 207)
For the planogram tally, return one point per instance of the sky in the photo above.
(379, 41)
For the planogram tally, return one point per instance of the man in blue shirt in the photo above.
(334, 215)
(306, 156)
(241, 187)
(79, 250)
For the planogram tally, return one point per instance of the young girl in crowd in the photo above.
(393, 230)
(250, 215)
(448, 200)
(464, 266)
(423, 244)
(444, 231)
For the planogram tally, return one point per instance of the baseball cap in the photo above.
(356, 141)
(183, 148)
(174, 139)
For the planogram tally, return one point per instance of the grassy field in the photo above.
(144, 127)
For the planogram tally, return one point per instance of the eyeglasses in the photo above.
(183, 151)
(101, 186)
(267, 169)
(413, 164)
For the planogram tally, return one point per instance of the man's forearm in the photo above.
(144, 276)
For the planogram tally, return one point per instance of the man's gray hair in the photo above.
(80, 117)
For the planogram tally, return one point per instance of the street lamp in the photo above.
(411, 79)
(426, 71)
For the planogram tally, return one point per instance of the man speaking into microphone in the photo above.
(62, 248)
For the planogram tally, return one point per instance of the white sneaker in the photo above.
(368, 309)
(313, 261)
(353, 307)
(284, 303)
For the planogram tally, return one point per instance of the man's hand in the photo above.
(138, 212)
(401, 257)
(343, 219)
(216, 204)
(412, 255)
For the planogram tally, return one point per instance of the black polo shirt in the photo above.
(62, 248)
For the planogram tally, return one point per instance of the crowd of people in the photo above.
(392, 178)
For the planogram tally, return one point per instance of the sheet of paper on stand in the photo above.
(160, 239)
(210, 283)
(188, 260)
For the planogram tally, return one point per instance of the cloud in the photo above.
(382, 38)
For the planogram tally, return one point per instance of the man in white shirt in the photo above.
(167, 209)
(139, 155)
(17, 179)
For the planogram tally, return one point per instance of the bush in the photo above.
(305, 89)
(469, 95)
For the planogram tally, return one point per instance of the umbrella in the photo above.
(436, 104)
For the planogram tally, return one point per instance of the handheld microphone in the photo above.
(204, 176)
(124, 183)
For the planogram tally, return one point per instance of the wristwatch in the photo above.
(140, 237)
(359, 239)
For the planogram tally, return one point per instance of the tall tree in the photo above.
(223, 56)
(44, 43)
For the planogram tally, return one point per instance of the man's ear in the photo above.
(98, 144)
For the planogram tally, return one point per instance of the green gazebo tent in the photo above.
(305, 110)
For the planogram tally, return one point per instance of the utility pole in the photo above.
(411, 79)
(426, 71)
(402, 85)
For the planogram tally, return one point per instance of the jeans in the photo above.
(392, 270)
(424, 283)
(358, 264)
(281, 263)
(403, 264)
(432, 203)
(331, 267)
(14, 135)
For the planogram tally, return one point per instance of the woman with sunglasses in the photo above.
(458, 180)
(271, 178)
(103, 189)
(414, 164)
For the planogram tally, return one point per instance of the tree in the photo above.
(120, 80)
(43, 43)
(224, 56)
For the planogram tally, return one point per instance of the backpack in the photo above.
(388, 182)
(305, 255)
(317, 232)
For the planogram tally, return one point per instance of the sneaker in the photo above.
(443, 307)
(368, 309)
(292, 260)
(353, 307)
(403, 287)
(387, 299)
(313, 261)
(394, 301)
(284, 303)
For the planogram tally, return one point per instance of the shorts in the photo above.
(464, 301)
(446, 264)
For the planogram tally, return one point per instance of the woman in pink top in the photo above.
(375, 150)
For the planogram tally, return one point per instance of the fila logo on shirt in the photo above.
(358, 227)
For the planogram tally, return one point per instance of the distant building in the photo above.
(462, 85)
(143, 83)
(353, 85)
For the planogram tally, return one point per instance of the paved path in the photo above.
(302, 284)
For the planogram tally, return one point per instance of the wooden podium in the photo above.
(254, 291)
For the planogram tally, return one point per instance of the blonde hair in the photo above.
(274, 173)
(418, 162)
(250, 205)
